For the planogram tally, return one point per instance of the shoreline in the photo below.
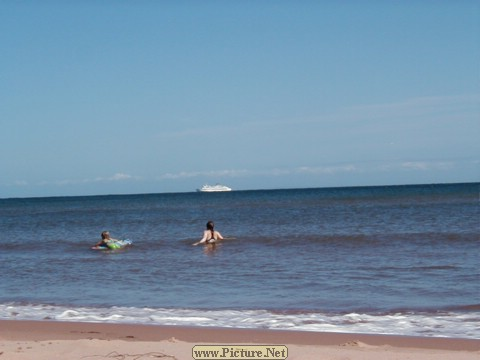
(25, 339)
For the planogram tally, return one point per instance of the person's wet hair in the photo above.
(210, 225)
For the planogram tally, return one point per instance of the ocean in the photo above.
(399, 260)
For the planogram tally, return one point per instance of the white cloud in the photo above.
(442, 105)
(327, 169)
(213, 173)
(425, 166)
(365, 167)
(116, 177)
(415, 165)
(330, 170)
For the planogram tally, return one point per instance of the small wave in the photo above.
(436, 267)
(472, 307)
(444, 324)
(412, 268)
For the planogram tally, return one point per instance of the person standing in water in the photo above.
(210, 235)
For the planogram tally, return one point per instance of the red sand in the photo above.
(75, 340)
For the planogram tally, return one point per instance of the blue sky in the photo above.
(118, 97)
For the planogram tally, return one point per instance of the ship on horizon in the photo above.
(214, 188)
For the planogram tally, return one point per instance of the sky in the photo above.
(125, 97)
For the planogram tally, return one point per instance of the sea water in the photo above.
(394, 259)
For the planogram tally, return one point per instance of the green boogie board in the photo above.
(114, 245)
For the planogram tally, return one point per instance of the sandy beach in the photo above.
(46, 340)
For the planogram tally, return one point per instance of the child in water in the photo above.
(210, 235)
(105, 242)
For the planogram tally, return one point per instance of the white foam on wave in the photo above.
(445, 324)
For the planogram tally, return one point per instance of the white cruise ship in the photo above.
(214, 188)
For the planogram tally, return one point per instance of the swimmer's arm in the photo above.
(199, 242)
(205, 234)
